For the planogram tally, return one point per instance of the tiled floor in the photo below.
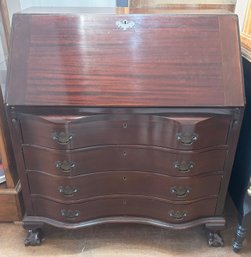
(122, 241)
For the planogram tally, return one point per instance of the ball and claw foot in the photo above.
(215, 239)
(239, 238)
(34, 238)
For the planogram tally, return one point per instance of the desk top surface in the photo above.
(148, 59)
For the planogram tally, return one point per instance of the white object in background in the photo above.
(13, 6)
(67, 3)
(2, 176)
(240, 10)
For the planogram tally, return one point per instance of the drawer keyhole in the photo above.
(124, 125)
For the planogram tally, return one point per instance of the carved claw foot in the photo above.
(34, 237)
(215, 239)
(239, 238)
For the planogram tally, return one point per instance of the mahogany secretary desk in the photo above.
(124, 116)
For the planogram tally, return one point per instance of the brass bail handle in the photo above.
(62, 138)
(187, 140)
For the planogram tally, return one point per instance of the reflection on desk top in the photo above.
(140, 60)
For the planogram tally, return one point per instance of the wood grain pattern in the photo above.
(123, 182)
(125, 129)
(34, 222)
(229, 5)
(126, 206)
(110, 158)
(166, 60)
(123, 101)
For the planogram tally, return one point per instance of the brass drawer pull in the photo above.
(184, 167)
(70, 214)
(62, 138)
(187, 140)
(181, 191)
(65, 166)
(67, 191)
(177, 215)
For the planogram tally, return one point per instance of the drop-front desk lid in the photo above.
(125, 57)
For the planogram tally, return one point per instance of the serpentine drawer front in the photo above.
(120, 158)
(173, 132)
(124, 206)
(124, 182)
(128, 117)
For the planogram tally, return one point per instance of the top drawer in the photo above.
(178, 132)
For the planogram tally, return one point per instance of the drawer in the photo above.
(133, 183)
(109, 158)
(179, 132)
(120, 206)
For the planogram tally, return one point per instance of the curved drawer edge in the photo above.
(220, 222)
(117, 196)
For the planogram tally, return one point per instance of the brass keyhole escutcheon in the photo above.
(125, 24)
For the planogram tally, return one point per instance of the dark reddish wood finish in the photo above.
(125, 129)
(126, 205)
(123, 182)
(165, 60)
(121, 158)
(125, 97)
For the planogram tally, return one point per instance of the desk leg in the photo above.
(239, 238)
(34, 237)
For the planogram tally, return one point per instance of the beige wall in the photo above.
(183, 4)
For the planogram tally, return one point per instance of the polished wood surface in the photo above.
(124, 205)
(10, 208)
(110, 158)
(125, 129)
(109, 122)
(81, 60)
(67, 190)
